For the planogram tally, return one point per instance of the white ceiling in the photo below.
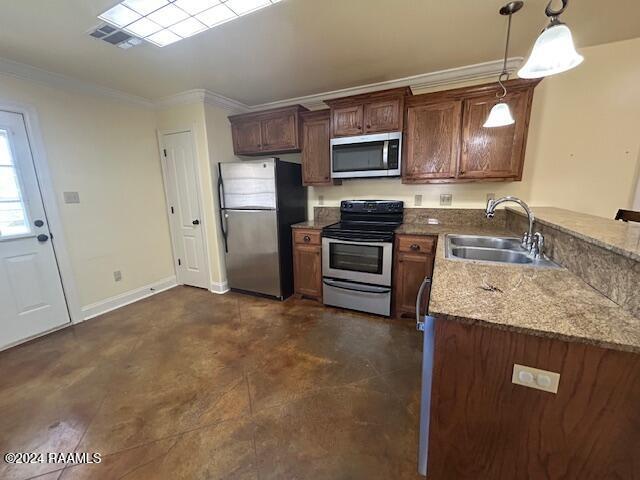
(297, 47)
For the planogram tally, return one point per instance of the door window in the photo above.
(356, 258)
(13, 213)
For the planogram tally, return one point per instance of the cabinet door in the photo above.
(279, 132)
(411, 270)
(316, 158)
(347, 120)
(432, 141)
(493, 152)
(382, 116)
(246, 137)
(307, 270)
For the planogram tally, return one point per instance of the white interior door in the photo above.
(31, 297)
(184, 209)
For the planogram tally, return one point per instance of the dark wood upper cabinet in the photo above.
(445, 140)
(316, 155)
(247, 138)
(271, 131)
(383, 116)
(347, 121)
(376, 112)
(496, 152)
(432, 139)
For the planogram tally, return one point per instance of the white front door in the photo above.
(184, 209)
(31, 297)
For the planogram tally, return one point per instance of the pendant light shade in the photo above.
(499, 116)
(553, 52)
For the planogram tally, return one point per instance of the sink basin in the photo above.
(503, 243)
(490, 255)
(492, 249)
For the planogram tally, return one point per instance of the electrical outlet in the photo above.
(535, 378)
(446, 199)
(417, 200)
(491, 196)
(71, 197)
(117, 275)
(320, 200)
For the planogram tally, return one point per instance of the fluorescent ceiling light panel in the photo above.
(144, 7)
(242, 7)
(163, 22)
(143, 27)
(119, 16)
(193, 7)
(188, 27)
(163, 38)
(168, 15)
(216, 15)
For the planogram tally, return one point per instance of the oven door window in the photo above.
(355, 258)
(358, 157)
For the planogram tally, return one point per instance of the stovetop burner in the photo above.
(366, 220)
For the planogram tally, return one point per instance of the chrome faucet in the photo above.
(533, 243)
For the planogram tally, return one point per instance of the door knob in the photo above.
(42, 237)
(196, 222)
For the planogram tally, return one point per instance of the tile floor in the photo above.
(191, 385)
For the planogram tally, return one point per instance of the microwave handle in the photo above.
(385, 155)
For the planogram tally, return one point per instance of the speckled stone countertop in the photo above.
(550, 302)
(312, 224)
(620, 237)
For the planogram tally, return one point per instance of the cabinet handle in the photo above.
(359, 127)
(368, 126)
(415, 247)
(307, 238)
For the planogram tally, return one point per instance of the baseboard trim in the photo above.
(98, 308)
(219, 287)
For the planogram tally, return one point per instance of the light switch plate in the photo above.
(117, 275)
(535, 378)
(417, 200)
(71, 197)
(321, 200)
(446, 199)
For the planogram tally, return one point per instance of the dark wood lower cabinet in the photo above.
(307, 263)
(485, 427)
(414, 257)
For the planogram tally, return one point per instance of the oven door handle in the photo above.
(385, 155)
(335, 236)
(359, 288)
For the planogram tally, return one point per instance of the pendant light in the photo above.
(554, 51)
(500, 114)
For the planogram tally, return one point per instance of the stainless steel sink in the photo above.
(492, 249)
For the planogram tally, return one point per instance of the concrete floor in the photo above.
(192, 385)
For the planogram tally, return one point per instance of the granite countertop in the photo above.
(550, 302)
(620, 237)
(313, 224)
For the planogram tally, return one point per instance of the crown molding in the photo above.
(201, 95)
(418, 83)
(30, 73)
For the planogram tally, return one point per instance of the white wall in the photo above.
(583, 148)
(107, 151)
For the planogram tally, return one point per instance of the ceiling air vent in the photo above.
(115, 36)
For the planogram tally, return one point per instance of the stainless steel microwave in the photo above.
(376, 155)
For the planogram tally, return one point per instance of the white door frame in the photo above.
(43, 174)
(203, 220)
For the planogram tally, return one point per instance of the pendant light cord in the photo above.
(504, 72)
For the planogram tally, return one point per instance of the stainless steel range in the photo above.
(357, 255)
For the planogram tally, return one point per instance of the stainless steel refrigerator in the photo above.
(259, 200)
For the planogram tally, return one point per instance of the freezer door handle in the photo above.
(222, 214)
(419, 323)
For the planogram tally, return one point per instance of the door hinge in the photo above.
(172, 210)
(165, 152)
(179, 262)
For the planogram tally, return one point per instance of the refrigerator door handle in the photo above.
(222, 214)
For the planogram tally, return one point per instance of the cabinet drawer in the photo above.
(309, 237)
(416, 244)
